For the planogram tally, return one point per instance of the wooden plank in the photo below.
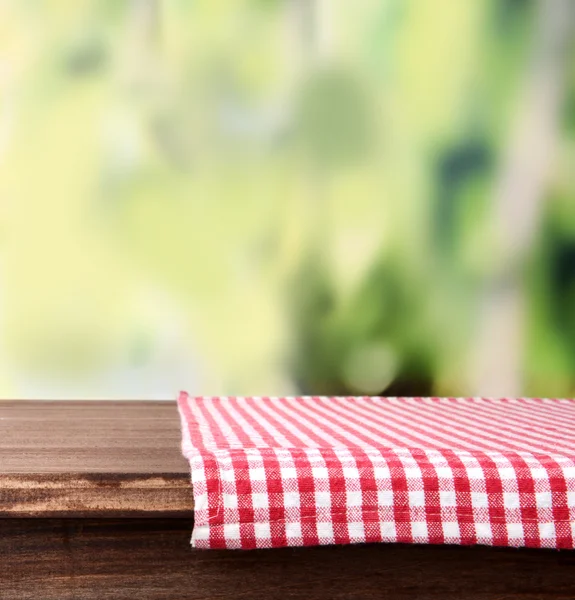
(56, 559)
(91, 458)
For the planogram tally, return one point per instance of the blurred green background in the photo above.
(287, 196)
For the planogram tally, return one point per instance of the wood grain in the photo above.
(90, 458)
(111, 459)
(84, 559)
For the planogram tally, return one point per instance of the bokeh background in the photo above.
(287, 196)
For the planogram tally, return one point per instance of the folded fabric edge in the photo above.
(408, 495)
(258, 498)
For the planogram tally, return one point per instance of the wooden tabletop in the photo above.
(92, 458)
(120, 459)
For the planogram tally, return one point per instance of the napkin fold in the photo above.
(305, 471)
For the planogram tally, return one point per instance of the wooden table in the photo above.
(95, 502)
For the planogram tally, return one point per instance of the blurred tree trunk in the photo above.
(496, 368)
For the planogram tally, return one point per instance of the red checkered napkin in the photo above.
(273, 472)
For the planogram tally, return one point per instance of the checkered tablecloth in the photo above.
(274, 472)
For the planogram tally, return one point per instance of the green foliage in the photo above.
(313, 189)
(334, 119)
